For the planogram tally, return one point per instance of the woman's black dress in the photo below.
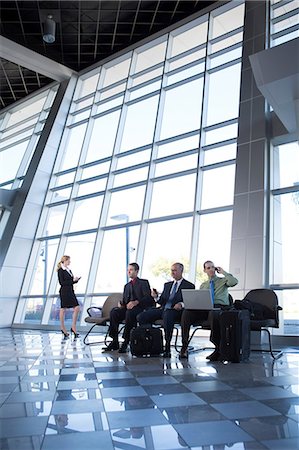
(66, 291)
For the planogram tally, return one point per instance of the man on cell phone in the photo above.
(219, 293)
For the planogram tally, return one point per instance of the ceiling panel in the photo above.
(86, 32)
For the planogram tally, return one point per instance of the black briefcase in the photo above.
(235, 335)
(146, 341)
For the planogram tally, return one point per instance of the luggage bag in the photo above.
(146, 341)
(235, 335)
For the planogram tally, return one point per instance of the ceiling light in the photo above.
(49, 30)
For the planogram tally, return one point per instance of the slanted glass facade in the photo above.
(145, 169)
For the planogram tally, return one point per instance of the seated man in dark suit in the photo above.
(219, 293)
(136, 298)
(171, 305)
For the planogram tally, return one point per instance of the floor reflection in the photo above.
(60, 394)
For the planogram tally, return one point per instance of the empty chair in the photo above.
(101, 316)
(269, 315)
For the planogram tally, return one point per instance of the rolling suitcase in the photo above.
(235, 335)
(146, 341)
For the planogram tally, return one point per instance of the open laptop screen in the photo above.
(197, 299)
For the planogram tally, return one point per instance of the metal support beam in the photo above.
(16, 53)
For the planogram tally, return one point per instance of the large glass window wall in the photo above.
(145, 169)
(284, 232)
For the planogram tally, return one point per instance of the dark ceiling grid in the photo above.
(87, 31)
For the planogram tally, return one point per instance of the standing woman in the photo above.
(67, 294)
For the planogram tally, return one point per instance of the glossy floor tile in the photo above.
(60, 394)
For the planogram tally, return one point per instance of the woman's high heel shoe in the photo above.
(75, 334)
(66, 335)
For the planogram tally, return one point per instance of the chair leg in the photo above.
(276, 354)
(191, 349)
(97, 342)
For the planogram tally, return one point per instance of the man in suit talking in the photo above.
(136, 298)
(171, 304)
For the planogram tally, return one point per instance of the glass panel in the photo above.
(161, 253)
(14, 139)
(285, 8)
(189, 39)
(26, 111)
(117, 72)
(221, 134)
(55, 219)
(145, 90)
(97, 169)
(18, 128)
(147, 76)
(184, 74)
(178, 146)
(186, 59)
(150, 57)
(218, 187)
(61, 195)
(10, 161)
(114, 280)
(182, 109)
(109, 105)
(226, 57)
(133, 176)
(140, 124)
(127, 204)
(176, 165)
(220, 154)
(223, 104)
(224, 43)
(286, 23)
(214, 245)
(73, 147)
(133, 159)
(34, 310)
(164, 204)
(113, 91)
(83, 104)
(89, 85)
(80, 248)
(81, 116)
(288, 300)
(285, 243)
(93, 186)
(54, 315)
(285, 38)
(65, 179)
(86, 214)
(44, 266)
(227, 21)
(103, 137)
(286, 165)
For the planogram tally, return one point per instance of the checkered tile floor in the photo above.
(60, 394)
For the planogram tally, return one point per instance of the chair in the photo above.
(268, 299)
(100, 316)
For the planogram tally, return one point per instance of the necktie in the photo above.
(171, 296)
(212, 290)
(132, 292)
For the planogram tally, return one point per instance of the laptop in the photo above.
(197, 299)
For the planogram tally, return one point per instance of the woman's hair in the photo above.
(62, 261)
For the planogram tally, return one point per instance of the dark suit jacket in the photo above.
(66, 290)
(178, 296)
(141, 291)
